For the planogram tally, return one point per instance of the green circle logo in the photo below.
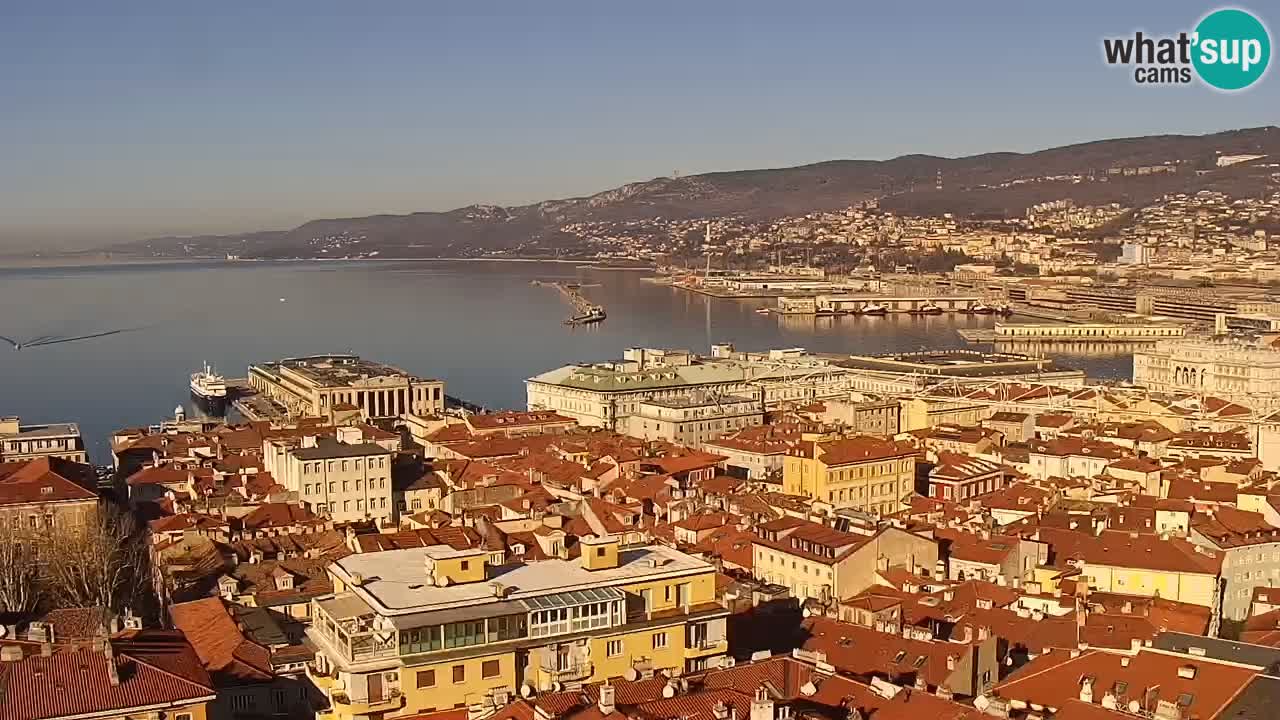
(1232, 49)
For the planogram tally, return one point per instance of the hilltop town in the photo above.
(671, 534)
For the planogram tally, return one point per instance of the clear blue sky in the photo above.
(124, 119)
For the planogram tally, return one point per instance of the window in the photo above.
(490, 669)
(613, 648)
(420, 640)
(462, 634)
(466, 565)
(182, 716)
(241, 702)
(459, 673)
(599, 552)
(659, 640)
(426, 678)
(279, 699)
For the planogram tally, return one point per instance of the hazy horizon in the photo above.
(147, 119)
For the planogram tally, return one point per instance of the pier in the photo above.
(585, 312)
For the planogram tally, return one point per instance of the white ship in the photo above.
(874, 309)
(209, 389)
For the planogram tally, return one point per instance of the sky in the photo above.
(122, 120)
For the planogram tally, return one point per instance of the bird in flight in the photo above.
(59, 339)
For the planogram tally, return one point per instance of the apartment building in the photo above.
(814, 561)
(694, 419)
(861, 472)
(344, 478)
(317, 385)
(20, 442)
(1250, 550)
(433, 628)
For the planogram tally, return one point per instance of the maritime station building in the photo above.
(435, 628)
(321, 385)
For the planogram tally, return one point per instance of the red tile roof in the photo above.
(225, 652)
(1053, 679)
(45, 480)
(153, 667)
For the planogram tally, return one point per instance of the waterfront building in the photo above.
(606, 394)
(862, 473)
(693, 419)
(433, 628)
(26, 442)
(1128, 330)
(817, 562)
(322, 385)
(345, 478)
(1240, 371)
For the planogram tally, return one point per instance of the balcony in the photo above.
(344, 706)
(705, 648)
(567, 673)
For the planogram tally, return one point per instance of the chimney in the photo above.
(606, 699)
(113, 673)
(762, 705)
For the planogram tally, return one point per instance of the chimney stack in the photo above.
(607, 699)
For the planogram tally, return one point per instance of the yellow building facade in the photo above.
(428, 629)
(862, 473)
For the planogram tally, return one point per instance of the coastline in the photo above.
(52, 262)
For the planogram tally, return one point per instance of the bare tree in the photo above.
(102, 564)
(19, 571)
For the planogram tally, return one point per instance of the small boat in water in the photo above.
(874, 309)
(981, 309)
(827, 312)
(927, 309)
(763, 311)
(1004, 311)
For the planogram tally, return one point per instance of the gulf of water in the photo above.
(480, 326)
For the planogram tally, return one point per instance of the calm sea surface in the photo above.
(480, 326)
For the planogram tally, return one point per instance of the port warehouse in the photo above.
(854, 302)
(1202, 305)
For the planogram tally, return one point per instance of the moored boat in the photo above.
(874, 309)
(209, 390)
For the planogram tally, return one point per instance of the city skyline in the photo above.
(146, 122)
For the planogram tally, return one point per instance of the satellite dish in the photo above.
(631, 674)
(4, 631)
(526, 691)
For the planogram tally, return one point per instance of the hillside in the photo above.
(972, 186)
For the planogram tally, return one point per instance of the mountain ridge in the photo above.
(906, 183)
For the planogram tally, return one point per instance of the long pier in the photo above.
(582, 307)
